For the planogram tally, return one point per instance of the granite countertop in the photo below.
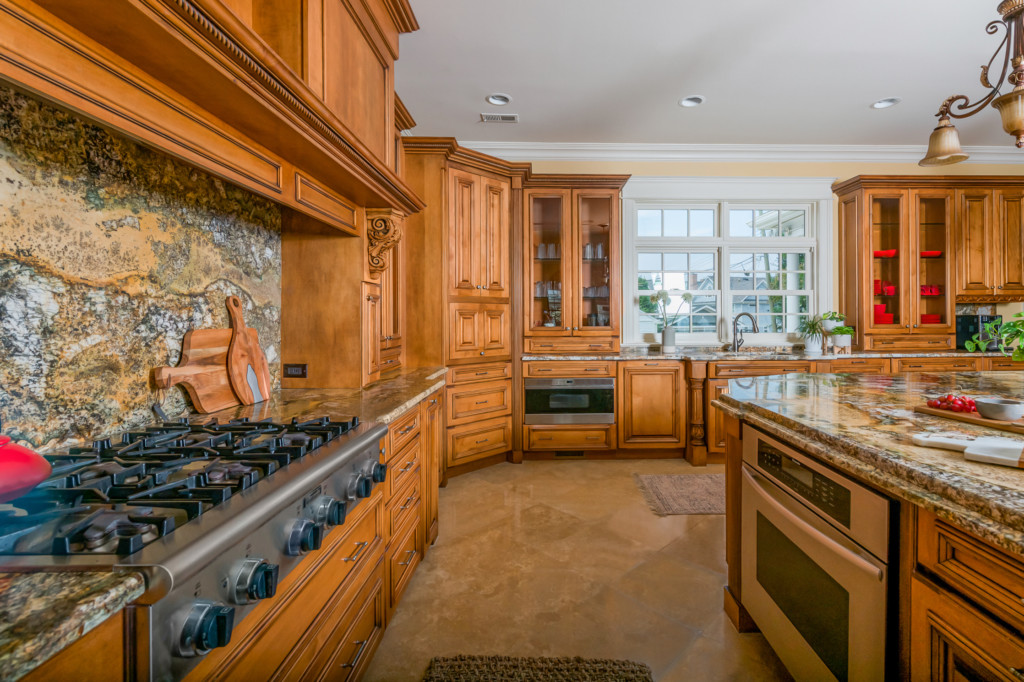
(754, 353)
(41, 613)
(862, 425)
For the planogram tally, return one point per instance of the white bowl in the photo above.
(1000, 408)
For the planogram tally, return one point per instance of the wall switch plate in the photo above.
(295, 371)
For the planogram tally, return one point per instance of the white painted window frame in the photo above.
(813, 195)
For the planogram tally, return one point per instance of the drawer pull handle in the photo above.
(542, 370)
(482, 374)
(408, 502)
(408, 466)
(545, 345)
(433, 401)
(360, 546)
(592, 369)
(650, 364)
(597, 345)
(359, 652)
(857, 362)
(545, 438)
(482, 441)
(482, 402)
(593, 437)
(411, 554)
(407, 429)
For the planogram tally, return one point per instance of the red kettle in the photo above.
(21, 470)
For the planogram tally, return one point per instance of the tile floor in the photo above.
(564, 558)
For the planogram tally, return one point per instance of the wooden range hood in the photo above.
(292, 101)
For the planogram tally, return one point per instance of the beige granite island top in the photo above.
(862, 425)
(758, 353)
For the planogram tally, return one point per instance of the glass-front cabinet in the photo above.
(572, 257)
(931, 221)
(888, 249)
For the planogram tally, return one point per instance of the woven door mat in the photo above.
(513, 669)
(669, 494)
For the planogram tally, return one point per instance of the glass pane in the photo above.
(649, 261)
(793, 223)
(741, 281)
(766, 223)
(744, 304)
(646, 281)
(766, 261)
(675, 223)
(702, 261)
(741, 261)
(703, 281)
(546, 251)
(741, 223)
(676, 261)
(677, 280)
(702, 223)
(648, 223)
(704, 323)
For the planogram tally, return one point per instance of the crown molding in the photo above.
(773, 153)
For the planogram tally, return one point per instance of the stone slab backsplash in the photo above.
(109, 253)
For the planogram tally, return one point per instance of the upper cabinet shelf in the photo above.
(293, 101)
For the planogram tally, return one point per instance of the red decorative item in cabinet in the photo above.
(888, 253)
(889, 290)
(931, 254)
(931, 290)
(878, 287)
(928, 318)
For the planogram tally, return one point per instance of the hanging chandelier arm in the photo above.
(964, 107)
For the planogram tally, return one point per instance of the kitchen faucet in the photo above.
(737, 337)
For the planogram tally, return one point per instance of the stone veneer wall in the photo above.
(109, 253)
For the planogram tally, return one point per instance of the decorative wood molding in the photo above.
(403, 119)
(383, 231)
(925, 181)
(989, 298)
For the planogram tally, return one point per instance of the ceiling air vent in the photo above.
(499, 118)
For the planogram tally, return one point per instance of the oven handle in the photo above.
(772, 498)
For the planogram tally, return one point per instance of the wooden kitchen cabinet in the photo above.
(371, 324)
(97, 656)
(433, 463)
(392, 310)
(936, 364)
(1009, 208)
(478, 235)
(478, 331)
(991, 262)
(714, 419)
(538, 437)
(651, 411)
(854, 366)
(472, 442)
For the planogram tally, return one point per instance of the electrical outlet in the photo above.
(295, 371)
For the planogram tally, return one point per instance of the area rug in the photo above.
(511, 669)
(669, 494)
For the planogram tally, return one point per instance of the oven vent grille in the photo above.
(499, 118)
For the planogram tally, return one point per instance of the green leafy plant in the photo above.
(660, 300)
(834, 316)
(1006, 335)
(811, 328)
(844, 331)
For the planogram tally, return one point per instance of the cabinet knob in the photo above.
(915, 326)
(907, 326)
(1000, 286)
(479, 287)
(481, 352)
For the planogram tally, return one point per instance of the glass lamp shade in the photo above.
(943, 146)
(1011, 110)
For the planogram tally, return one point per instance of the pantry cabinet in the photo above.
(478, 235)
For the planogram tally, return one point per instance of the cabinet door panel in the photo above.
(463, 241)
(463, 331)
(371, 331)
(974, 242)
(652, 408)
(889, 257)
(495, 331)
(1010, 237)
(596, 289)
(494, 239)
(547, 277)
(715, 420)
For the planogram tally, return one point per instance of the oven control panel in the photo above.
(825, 493)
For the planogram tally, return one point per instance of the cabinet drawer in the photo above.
(403, 505)
(855, 366)
(980, 572)
(404, 555)
(390, 359)
(402, 431)
(909, 342)
(568, 368)
(600, 437)
(402, 467)
(729, 370)
(468, 403)
(1002, 365)
(476, 373)
(471, 442)
(571, 344)
(346, 657)
(935, 364)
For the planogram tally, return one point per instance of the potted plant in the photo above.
(812, 331)
(831, 320)
(661, 300)
(1005, 334)
(842, 337)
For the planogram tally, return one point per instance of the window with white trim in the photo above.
(717, 259)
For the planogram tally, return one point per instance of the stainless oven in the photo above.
(815, 563)
(569, 401)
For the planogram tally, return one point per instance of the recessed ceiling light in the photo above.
(886, 103)
(498, 99)
(692, 101)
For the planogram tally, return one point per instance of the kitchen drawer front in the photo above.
(404, 505)
(1002, 365)
(855, 366)
(471, 442)
(476, 373)
(390, 359)
(733, 369)
(468, 403)
(403, 430)
(936, 364)
(346, 657)
(568, 368)
(978, 571)
(404, 554)
(881, 343)
(597, 437)
(571, 344)
(403, 467)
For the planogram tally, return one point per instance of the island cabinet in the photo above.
(571, 264)
(651, 404)
(98, 656)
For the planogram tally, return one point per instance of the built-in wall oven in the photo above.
(569, 401)
(815, 563)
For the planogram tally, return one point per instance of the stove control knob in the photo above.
(364, 487)
(254, 579)
(380, 472)
(207, 625)
(304, 536)
(326, 511)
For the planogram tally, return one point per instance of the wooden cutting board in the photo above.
(973, 418)
(247, 366)
(202, 371)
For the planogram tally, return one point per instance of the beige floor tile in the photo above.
(683, 592)
(701, 542)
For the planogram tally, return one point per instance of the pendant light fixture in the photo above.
(944, 143)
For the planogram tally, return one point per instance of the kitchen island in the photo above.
(956, 568)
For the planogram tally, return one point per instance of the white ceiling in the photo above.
(782, 72)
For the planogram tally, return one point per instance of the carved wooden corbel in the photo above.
(383, 231)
